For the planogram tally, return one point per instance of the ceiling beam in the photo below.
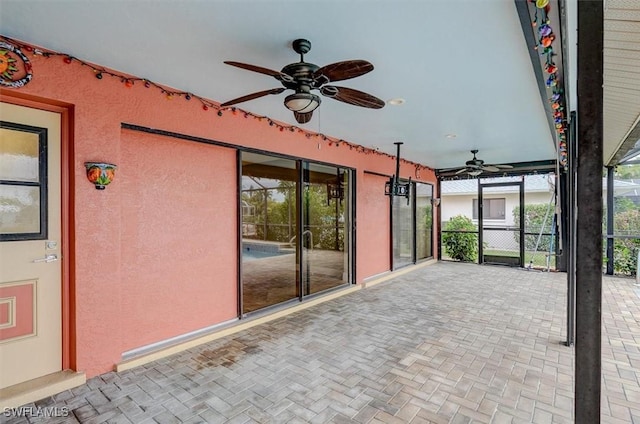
(519, 168)
(522, 6)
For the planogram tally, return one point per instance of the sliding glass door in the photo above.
(403, 230)
(325, 217)
(296, 221)
(269, 225)
(412, 226)
(424, 221)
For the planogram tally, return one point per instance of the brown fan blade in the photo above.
(351, 96)
(276, 74)
(460, 171)
(490, 168)
(303, 118)
(503, 166)
(253, 96)
(342, 70)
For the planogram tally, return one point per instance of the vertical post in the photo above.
(521, 230)
(398, 144)
(588, 364)
(299, 229)
(239, 240)
(414, 222)
(571, 239)
(265, 206)
(438, 220)
(352, 214)
(562, 221)
(610, 211)
(338, 201)
(480, 235)
(392, 232)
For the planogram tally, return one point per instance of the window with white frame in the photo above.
(491, 208)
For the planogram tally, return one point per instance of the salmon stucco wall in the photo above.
(373, 226)
(178, 236)
(155, 254)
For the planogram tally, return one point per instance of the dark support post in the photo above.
(588, 364)
(610, 207)
(562, 222)
(570, 247)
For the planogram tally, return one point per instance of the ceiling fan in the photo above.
(302, 77)
(475, 166)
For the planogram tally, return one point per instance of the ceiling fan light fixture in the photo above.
(475, 173)
(302, 102)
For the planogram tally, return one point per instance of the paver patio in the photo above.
(449, 343)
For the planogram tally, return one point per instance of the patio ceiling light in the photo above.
(302, 102)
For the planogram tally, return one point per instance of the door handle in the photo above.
(52, 257)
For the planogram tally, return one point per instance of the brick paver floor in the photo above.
(449, 343)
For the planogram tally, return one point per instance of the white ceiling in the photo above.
(462, 66)
(622, 78)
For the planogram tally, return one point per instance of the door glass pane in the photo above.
(269, 225)
(19, 209)
(18, 155)
(424, 221)
(500, 233)
(402, 215)
(325, 210)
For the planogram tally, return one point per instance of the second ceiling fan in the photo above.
(475, 166)
(302, 77)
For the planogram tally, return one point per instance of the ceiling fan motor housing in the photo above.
(302, 73)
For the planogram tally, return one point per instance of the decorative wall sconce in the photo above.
(100, 173)
(394, 187)
(435, 201)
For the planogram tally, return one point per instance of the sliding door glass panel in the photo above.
(424, 221)
(269, 226)
(403, 240)
(325, 220)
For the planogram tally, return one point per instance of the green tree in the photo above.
(534, 222)
(627, 172)
(460, 239)
(625, 251)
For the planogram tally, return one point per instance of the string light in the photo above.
(542, 22)
(129, 81)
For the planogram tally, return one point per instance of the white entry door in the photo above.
(30, 244)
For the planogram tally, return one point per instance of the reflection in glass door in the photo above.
(403, 230)
(325, 236)
(296, 230)
(424, 221)
(269, 226)
(412, 226)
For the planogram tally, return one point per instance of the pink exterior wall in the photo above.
(155, 253)
(178, 236)
(373, 226)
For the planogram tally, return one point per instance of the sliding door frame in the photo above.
(350, 227)
(414, 233)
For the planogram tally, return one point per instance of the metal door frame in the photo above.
(481, 186)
